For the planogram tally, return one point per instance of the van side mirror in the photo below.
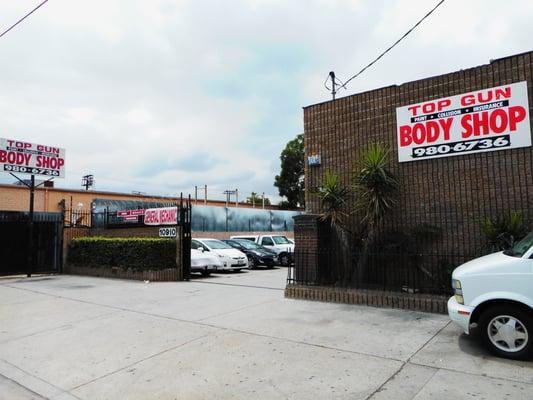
(200, 249)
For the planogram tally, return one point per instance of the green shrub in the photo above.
(135, 253)
(501, 233)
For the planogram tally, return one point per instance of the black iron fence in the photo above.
(397, 272)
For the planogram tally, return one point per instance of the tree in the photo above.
(290, 181)
(257, 200)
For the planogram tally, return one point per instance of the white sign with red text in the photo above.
(485, 120)
(21, 157)
(161, 216)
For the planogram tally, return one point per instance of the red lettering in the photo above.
(481, 123)
(498, 121)
(419, 133)
(504, 93)
(516, 114)
(466, 123)
(446, 125)
(405, 136)
(413, 110)
(13, 157)
(442, 104)
(468, 100)
(485, 99)
(432, 131)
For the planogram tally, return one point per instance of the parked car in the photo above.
(204, 262)
(496, 293)
(277, 243)
(231, 259)
(257, 254)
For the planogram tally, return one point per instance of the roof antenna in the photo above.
(333, 84)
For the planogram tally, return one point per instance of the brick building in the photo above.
(453, 193)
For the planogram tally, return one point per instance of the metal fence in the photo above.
(413, 273)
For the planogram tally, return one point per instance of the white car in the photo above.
(231, 259)
(204, 263)
(496, 293)
(277, 243)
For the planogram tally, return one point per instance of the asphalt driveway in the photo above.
(231, 336)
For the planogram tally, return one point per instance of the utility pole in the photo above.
(263, 199)
(87, 181)
(229, 193)
(30, 239)
(196, 188)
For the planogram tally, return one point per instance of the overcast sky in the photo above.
(161, 95)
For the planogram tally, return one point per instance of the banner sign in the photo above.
(130, 215)
(484, 120)
(29, 158)
(161, 216)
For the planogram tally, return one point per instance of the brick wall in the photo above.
(453, 193)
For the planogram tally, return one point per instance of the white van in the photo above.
(495, 292)
(277, 243)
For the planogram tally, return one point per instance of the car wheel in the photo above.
(251, 263)
(205, 273)
(284, 259)
(507, 331)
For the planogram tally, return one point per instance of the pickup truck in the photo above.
(495, 293)
(277, 243)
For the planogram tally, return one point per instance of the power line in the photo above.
(393, 45)
(23, 18)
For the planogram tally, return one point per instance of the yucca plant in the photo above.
(376, 189)
(375, 185)
(333, 196)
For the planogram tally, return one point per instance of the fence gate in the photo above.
(16, 255)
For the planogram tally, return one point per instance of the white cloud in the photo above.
(135, 90)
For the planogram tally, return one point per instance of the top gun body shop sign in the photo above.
(21, 157)
(484, 120)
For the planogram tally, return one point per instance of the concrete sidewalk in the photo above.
(231, 337)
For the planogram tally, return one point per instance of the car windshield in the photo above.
(247, 244)
(280, 240)
(519, 249)
(217, 244)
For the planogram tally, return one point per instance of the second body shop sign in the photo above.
(484, 120)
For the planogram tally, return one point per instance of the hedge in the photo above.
(135, 253)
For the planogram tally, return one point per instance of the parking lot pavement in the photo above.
(231, 336)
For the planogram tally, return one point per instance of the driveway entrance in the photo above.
(231, 336)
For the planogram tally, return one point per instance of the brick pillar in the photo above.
(312, 247)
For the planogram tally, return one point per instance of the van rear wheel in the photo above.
(507, 331)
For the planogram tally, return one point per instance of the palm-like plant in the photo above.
(333, 196)
(375, 185)
(376, 188)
